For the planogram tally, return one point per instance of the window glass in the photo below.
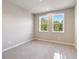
(43, 23)
(58, 23)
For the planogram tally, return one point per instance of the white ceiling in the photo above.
(39, 6)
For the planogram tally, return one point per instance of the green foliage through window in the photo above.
(58, 22)
(44, 23)
(58, 27)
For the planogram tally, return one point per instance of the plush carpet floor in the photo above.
(40, 50)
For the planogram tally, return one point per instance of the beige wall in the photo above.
(75, 26)
(69, 26)
(17, 25)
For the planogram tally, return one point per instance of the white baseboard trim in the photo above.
(15, 46)
(70, 44)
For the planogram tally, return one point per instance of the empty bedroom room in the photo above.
(39, 29)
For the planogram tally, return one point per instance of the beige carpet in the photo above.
(41, 50)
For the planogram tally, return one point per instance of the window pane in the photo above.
(58, 27)
(43, 23)
(58, 22)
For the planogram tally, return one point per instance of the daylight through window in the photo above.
(58, 23)
(43, 24)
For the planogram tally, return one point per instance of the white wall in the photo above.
(69, 28)
(17, 25)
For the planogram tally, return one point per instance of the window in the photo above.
(43, 23)
(58, 22)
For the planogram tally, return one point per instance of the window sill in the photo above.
(58, 31)
(43, 31)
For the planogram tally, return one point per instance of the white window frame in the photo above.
(53, 23)
(40, 23)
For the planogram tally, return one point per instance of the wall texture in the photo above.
(69, 27)
(17, 25)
